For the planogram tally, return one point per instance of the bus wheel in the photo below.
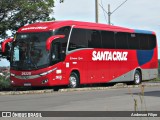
(73, 80)
(56, 88)
(137, 78)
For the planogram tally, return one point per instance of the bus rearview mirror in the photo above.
(4, 44)
(5, 48)
(50, 39)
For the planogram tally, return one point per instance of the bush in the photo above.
(4, 83)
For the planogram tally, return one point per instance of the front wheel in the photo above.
(73, 80)
(56, 89)
(137, 78)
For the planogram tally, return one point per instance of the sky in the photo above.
(135, 14)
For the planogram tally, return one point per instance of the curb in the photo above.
(26, 92)
(119, 85)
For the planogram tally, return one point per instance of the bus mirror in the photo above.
(5, 48)
(50, 39)
(5, 44)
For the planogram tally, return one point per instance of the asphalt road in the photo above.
(122, 99)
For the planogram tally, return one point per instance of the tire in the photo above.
(137, 78)
(56, 89)
(73, 80)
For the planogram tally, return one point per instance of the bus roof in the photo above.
(51, 25)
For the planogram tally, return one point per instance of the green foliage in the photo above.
(4, 83)
(17, 13)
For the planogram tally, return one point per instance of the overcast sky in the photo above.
(136, 14)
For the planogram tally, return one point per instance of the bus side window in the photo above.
(152, 42)
(133, 41)
(95, 41)
(144, 42)
(63, 31)
(78, 39)
(108, 40)
(121, 40)
(55, 56)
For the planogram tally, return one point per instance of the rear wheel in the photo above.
(137, 78)
(73, 80)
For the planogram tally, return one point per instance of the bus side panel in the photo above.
(102, 71)
(124, 70)
(77, 61)
(150, 67)
(57, 77)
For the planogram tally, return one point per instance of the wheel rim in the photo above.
(137, 78)
(73, 81)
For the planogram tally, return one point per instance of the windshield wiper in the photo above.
(32, 64)
(35, 65)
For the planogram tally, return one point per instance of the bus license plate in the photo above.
(27, 84)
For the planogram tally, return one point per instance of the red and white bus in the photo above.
(73, 53)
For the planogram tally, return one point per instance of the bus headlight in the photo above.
(12, 74)
(12, 82)
(45, 73)
(58, 71)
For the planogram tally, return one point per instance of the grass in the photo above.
(156, 80)
(139, 105)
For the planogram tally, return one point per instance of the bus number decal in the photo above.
(26, 73)
(109, 56)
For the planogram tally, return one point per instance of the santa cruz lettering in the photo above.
(109, 56)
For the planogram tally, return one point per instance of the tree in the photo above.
(17, 13)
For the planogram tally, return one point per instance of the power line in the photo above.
(110, 13)
(103, 10)
(119, 6)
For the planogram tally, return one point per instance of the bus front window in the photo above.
(29, 51)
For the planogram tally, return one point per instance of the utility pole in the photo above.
(96, 10)
(109, 14)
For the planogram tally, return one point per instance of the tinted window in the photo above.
(121, 40)
(144, 43)
(82, 38)
(94, 39)
(152, 41)
(78, 39)
(63, 31)
(108, 40)
(133, 41)
(141, 41)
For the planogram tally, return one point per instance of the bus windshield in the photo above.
(29, 51)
